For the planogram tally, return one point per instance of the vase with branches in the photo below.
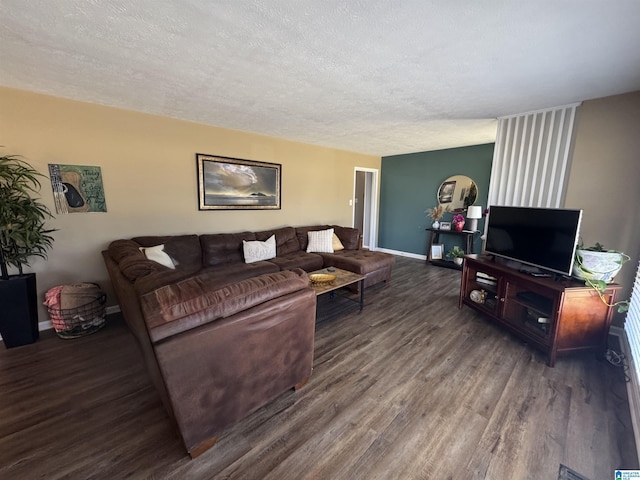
(436, 213)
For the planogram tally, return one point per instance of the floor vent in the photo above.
(565, 473)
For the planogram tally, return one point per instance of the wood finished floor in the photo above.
(411, 388)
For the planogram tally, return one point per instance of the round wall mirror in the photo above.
(457, 193)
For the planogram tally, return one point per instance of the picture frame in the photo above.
(436, 252)
(445, 225)
(226, 183)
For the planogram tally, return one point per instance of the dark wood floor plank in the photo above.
(411, 387)
(496, 455)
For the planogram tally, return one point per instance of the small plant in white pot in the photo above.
(456, 253)
(597, 267)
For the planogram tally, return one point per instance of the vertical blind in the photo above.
(632, 324)
(632, 330)
(531, 158)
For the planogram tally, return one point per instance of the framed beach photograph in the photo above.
(235, 184)
(436, 252)
(445, 225)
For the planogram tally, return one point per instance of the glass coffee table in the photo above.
(343, 279)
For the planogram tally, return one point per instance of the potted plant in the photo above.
(436, 214)
(456, 253)
(597, 267)
(23, 235)
(458, 222)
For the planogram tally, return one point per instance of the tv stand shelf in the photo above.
(556, 315)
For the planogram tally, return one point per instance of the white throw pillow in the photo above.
(320, 241)
(254, 251)
(158, 255)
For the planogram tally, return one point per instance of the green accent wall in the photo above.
(409, 185)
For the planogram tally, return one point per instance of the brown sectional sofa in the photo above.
(221, 337)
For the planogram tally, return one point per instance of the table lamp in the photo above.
(474, 212)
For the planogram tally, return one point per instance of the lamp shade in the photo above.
(474, 211)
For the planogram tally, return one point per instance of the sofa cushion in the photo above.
(134, 267)
(306, 261)
(159, 278)
(255, 250)
(218, 275)
(336, 244)
(183, 249)
(120, 249)
(223, 248)
(131, 261)
(286, 240)
(193, 302)
(358, 261)
(221, 275)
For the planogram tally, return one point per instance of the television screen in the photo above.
(540, 237)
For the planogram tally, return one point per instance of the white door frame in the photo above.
(370, 221)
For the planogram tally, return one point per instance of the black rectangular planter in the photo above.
(19, 310)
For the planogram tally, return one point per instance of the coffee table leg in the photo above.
(361, 294)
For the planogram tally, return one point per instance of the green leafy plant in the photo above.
(23, 233)
(456, 252)
(598, 247)
(600, 286)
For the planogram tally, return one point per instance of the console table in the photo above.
(434, 238)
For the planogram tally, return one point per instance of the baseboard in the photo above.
(633, 386)
(402, 254)
(42, 326)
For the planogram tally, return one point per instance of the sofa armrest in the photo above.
(193, 302)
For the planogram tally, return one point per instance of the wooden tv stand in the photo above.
(555, 315)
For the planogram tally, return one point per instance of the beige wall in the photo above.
(605, 177)
(149, 173)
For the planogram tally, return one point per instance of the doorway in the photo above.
(365, 205)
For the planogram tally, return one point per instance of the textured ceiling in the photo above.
(375, 76)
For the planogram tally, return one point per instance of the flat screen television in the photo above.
(544, 238)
